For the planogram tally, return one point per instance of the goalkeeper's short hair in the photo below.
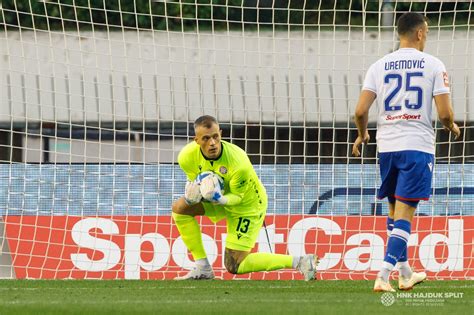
(205, 121)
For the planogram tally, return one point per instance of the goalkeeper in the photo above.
(243, 205)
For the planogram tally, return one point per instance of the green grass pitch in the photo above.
(228, 297)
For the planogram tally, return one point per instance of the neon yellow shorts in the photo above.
(242, 229)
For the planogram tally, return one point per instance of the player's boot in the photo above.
(382, 286)
(198, 273)
(409, 283)
(307, 266)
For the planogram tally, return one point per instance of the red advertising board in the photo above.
(149, 247)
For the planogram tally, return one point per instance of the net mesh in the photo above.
(98, 98)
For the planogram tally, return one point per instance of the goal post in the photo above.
(98, 98)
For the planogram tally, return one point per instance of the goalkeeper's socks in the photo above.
(296, 260)
(397, 244)
(265, 262)
(203, 263)
(191, 234)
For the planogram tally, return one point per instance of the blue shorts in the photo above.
(406, 175)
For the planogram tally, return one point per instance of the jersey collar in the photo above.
(222, 150)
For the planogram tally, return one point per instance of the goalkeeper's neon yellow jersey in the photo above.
(242, 187)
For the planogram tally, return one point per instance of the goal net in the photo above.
(98, 98)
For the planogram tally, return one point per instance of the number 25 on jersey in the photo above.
(408, 87)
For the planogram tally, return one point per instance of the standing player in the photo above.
(404, 84)
(243, 205)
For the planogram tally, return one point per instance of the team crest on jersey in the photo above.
(446, 79)
(223, 170)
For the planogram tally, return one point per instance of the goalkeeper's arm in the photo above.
(214, 194)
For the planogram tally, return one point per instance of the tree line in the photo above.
(219, 15)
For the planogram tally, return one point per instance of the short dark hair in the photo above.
(205, 121)
(410, 22)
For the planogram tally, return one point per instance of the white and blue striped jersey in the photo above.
(405, 82)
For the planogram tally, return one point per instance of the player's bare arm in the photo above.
(361, 119)
(445, 114)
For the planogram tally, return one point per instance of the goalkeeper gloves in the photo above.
(192, 193)
(211, 190)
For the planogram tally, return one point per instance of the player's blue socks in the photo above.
(397, 245)
(389, 226)
(390, 223)
(403, 267)
(403, 257)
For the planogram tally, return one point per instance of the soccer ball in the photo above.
(216, 179)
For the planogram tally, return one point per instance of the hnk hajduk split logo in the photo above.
(419, 298)
(387, 299)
